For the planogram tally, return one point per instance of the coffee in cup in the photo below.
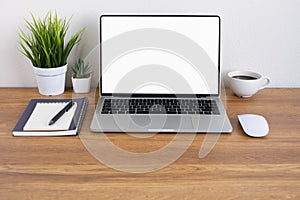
(246, 83)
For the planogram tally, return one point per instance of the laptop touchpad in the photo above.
(161, 123)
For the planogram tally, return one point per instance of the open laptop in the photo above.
(160, 73)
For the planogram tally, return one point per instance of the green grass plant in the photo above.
(45, 43)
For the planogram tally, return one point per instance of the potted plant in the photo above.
(81, 78)
(46, 48)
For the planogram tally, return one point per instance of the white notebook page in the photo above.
(44, 112)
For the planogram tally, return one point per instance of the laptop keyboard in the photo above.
(159, 106)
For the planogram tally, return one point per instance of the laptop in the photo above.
(160, 73)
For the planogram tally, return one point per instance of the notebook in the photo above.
(43, 112)
(34, 120)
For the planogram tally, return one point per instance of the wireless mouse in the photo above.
(254, 125)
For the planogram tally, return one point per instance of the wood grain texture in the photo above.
(239, 167)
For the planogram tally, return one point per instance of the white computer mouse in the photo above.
(254, 125)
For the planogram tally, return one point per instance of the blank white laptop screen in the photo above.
(160, 54)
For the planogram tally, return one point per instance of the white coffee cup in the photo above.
(246, 83)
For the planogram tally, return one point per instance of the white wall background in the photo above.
(259, 35)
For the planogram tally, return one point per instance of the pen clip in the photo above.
(60, 113)
(70, 107)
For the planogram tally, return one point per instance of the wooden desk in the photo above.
(239, 167)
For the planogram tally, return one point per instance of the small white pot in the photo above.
(51, 81)
(81, 85)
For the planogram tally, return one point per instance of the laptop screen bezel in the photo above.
(159, 95)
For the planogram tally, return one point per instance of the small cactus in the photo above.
(81, 70)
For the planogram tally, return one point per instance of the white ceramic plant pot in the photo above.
(81, 85)
(51, 81)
